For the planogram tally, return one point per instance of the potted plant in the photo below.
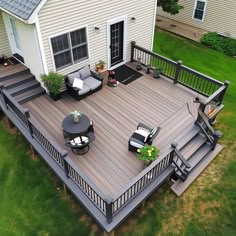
(100, 65)
(148, 154)
(53, 83)
(156, 72)
(76, 115)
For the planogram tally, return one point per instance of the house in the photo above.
(202, 16)
(62, 36)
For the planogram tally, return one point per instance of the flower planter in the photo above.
(55, 97)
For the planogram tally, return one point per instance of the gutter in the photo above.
(17, 17)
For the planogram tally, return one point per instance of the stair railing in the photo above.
(180, 163)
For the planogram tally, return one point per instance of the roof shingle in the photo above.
(20, 8)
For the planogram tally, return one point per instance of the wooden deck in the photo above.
(9, 70)
(116, 113)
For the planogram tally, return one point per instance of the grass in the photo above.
(31, 200)
(32, 204)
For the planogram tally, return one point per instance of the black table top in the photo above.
(70, 127)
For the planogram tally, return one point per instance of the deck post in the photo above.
(27, 115)
(221, 97)
(112, 233)
(109, 209)
(3, 98)
(178, 66)
(217, 134)
(66, 170)
(32, 150)
(132, 51)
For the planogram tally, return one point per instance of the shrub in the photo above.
(219, 43)
(53, 82)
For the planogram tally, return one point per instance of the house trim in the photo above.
(154, 24)
(66, 32)
(34, 16)
(204, 12)
(40, 42)
(109, 23)
(12, 15)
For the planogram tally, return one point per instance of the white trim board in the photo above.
(109, 23)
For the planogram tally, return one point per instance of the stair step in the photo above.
(193, 146)
(188, 137)
(29, 95)
(16, 74)
(18, 80)
(198, 156)
(179, 187)
(23, 87)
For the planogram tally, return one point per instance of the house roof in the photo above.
(20, 8)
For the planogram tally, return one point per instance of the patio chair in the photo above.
(144, 135)
(80, 145)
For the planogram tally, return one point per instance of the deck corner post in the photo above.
(178, 66)
(132, 51)
(217, 134)
(109, 202)
(221, 97)
(27, 115)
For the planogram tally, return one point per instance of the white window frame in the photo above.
(70, 47)
(204, 10)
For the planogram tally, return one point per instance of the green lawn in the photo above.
(32, 204)
(32, 201)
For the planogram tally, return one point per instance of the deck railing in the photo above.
(179, 73)
(141, 181)
(54, 151)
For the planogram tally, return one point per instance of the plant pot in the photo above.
(156, 74)
(55, 97)
(146, 164)
(76, 119)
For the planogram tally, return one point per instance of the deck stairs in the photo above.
(22, 85)
(196, 152)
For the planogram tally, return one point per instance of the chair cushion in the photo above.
(137, 145)
(85, 72)
(72, 76)
(92, 83)
(154, 130)
(144, 133)
(84, 90)
(78, 83)
(77, 141)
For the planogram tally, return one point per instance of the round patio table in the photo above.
(72, 128)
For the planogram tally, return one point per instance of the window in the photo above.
(69, 48)
(199, 10)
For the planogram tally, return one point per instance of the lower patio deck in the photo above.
(116, 113)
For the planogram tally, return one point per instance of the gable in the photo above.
(20, 8)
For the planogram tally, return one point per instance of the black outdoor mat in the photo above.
(126, 75)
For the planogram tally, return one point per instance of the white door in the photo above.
(15, 41)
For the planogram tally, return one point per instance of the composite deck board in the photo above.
(116, 113)
(9, 70)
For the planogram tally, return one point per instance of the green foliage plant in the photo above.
(53, 82)
(148, 153)
(170, 6)
(219, 43)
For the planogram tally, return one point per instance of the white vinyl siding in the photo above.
(29, 46)
(219, 16)
(4, 43)
(57, 17)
